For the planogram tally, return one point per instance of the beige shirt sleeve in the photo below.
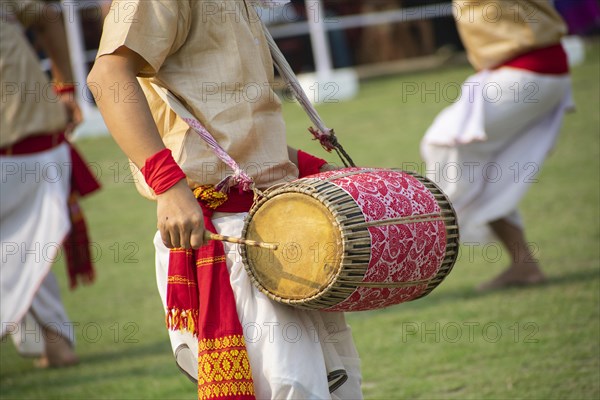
(154, 29)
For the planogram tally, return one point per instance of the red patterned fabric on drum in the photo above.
(400, 252)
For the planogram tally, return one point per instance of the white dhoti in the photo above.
(292, 352)
(34, 222)
(486, 149)
(48, 311)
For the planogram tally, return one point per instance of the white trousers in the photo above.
(485, 150)
(34, 223)
(291, 351)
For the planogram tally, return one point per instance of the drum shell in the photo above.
(399, 238)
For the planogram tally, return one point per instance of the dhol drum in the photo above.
(351, 240)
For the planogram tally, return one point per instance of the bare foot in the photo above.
(59, 350)
(515, 275)
(41, 362)
(524, 270)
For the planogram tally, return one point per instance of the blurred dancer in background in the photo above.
(42, 177)
(507, 119)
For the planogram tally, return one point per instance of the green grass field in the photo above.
(535, 343)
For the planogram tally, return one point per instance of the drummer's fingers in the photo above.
(170, 233)
(184, 238)
(328, 167)
(175, 240)
(197, 237)
(175, 236)
(166, 237)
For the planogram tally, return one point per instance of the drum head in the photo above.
(310, 247)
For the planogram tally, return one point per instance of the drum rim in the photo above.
(302, 186)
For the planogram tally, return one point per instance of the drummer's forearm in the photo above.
(123, 105)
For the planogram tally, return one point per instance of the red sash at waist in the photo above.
(550, 60)
(236, 202)
(34, 144)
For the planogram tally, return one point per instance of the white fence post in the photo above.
(77, 52)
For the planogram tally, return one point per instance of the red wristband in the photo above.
(161, 171)
(309, 164)
(61, 88)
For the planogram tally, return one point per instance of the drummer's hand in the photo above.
(180, 219)
(74, 114)
(328, 167)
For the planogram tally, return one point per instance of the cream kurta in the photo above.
(29, 104)
(495, 31)
(214, 57)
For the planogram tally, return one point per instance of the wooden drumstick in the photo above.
(222, 238)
